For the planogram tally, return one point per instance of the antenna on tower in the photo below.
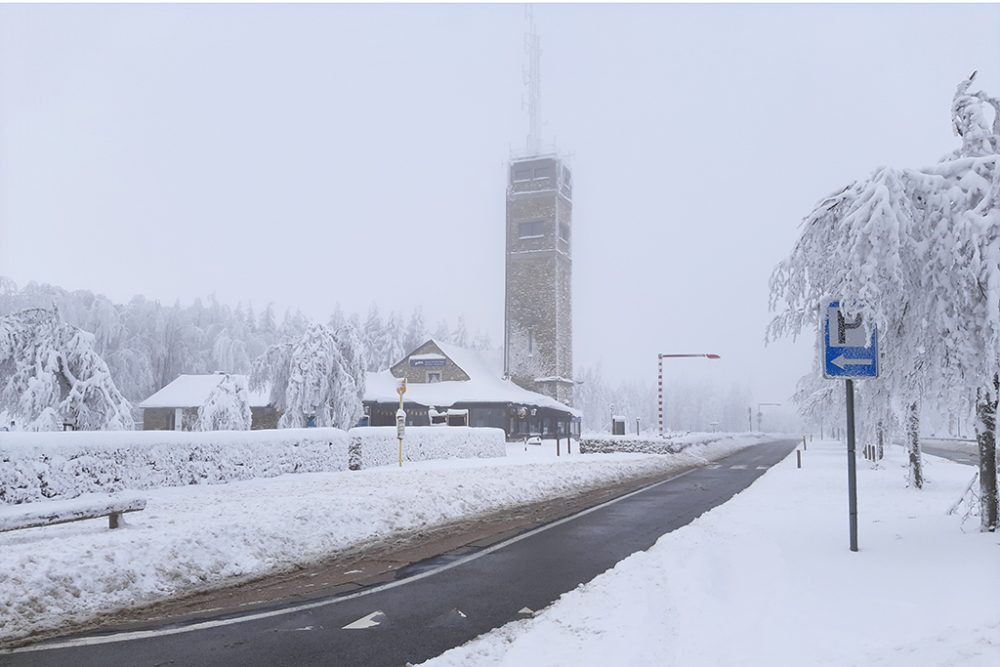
(533, 83)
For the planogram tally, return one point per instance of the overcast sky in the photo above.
(310, 155)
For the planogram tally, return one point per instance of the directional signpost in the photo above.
(849, 352)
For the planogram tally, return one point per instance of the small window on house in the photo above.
(434, 376)
(531, 230)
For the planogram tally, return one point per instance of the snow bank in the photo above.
(670, 444)
(40, 466)
(767, 579)
(377, 445)
(205, 536)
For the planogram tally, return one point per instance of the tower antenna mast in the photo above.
(533, 83)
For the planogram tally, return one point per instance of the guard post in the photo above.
(401, 418)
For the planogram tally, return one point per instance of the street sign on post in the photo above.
(847, 352)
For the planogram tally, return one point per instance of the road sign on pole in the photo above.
(847, 353)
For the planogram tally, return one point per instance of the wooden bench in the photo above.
(50, 512)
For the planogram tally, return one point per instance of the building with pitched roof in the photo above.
(442, 378)
(175, 407)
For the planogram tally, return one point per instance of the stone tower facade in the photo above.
(538, 331)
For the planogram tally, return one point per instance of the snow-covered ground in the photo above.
(203, 536)
(767, 579)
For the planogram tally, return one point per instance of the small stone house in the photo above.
(448, 384)
(175, 407)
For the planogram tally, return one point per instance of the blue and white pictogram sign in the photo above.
(846, 352)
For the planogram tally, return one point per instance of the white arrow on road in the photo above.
(365, 621)
(840, 362)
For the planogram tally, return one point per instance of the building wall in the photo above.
(158, 419)
(418, 374)
(538, 335)
(264, 418)
(162, 419)
(516, 423)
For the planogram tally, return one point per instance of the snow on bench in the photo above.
(47, 513)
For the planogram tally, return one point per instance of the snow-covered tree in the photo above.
(916, 252)
(320, 374)
(50, 374)
(461, 334)
(227, 407)
(416, 330)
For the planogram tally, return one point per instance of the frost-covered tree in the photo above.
(416, 330)
(442, 332)
(227, 407)
(320, 374)
(916, 252)
(50, 374)
(461, 334)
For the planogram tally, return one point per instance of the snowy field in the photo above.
(767, 579)
(203, 536)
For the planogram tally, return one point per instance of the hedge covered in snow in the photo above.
(671, 444)
(40, 466)
(377, 445)
(57, 465)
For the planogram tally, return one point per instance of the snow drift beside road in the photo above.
(767, 579)
(198, 537)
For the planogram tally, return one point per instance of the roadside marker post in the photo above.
(401, 418)
(848, 353)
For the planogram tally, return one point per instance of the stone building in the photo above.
(444, 379)
(538, 329)
(175, 407)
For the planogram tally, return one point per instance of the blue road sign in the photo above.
(846, 352)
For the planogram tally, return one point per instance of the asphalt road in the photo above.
(437, 604)
(957, 456)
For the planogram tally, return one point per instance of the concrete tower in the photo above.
(538, 331)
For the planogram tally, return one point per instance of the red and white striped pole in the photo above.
(659, 379)
(659, 390)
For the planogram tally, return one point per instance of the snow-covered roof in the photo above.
(430, 356)
(486, 384)
(191, 391)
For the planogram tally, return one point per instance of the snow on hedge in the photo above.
(692, 443)
(199, 537)
(40, 466)
(378, 446)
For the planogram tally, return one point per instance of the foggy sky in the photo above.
(314, 155)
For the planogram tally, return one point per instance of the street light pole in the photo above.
(659, 379)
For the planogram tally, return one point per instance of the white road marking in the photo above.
(460, 613)
(208, 625)
(525, 610)
(353, 571)
(738, 467)
(761, 467)
(369, 621)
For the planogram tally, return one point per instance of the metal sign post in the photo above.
(848, 353)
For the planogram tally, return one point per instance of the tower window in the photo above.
(564, 232)
(433, 376)
(522, 174)
(543, 172)
(531, 230)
